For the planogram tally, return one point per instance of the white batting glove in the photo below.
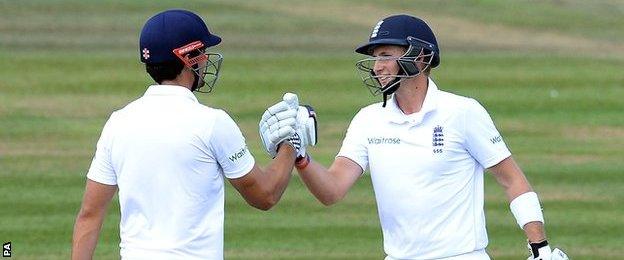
(305, 130)
(278, 123)
(541, 251)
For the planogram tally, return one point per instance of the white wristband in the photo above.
(526, 208)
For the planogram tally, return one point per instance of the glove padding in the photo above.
(543, 252)
(305, 131)
(278, 123)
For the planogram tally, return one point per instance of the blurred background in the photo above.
(549, 72)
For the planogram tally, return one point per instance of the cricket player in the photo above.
(427, 151)
(167, 154)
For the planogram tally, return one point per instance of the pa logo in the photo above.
(6, 249)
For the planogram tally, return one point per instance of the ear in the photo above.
(420, 57)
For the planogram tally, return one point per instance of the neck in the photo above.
(175, 83)
(184, 79)
(411, 95)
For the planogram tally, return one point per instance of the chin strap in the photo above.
(195, 78)
(389, 89)
(195, 84)
(385, 98)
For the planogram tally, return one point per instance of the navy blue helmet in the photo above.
(170, 30)
(395, 30)
(401, 30)
(181, 35)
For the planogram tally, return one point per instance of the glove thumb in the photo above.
(292, 100)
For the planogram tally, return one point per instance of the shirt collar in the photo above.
(430, 104)
(170, 90)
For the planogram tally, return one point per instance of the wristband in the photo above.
(526, 208)
(302, 162)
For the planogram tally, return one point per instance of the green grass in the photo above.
(66, 65)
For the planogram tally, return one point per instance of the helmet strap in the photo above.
(196, 78)
(390, 89)
(385, 98)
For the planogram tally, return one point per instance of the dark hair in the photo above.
(167, 70)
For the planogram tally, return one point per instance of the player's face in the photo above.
(386, 65)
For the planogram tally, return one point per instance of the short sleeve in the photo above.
(101, 169)
(229, 148)
(483, 141)
(354, 145)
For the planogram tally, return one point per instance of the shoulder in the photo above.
(128, 108)
(372, 108)
(222, 119)
(457, 103)
(214, 118)
(454, 100)
(208, 114)
(364, 115)
(370, 111)
(203, 109)
(135, 107)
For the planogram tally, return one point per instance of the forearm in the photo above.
(534, 230)
(526, 208)
(280, 170)
(320, 183)
(89, 221)
(85, 237)
(516, 187)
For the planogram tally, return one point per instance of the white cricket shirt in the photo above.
(427, 172)
(168, 154)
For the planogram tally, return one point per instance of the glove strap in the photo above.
(302, 162)
(536, 246)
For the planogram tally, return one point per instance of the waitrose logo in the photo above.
(384, 140)
(238, 154)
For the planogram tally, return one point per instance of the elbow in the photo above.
(263, 207)
(330, 199)
(266, 203)
(327, 202)
(86, 213)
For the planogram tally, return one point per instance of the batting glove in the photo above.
(541, 251)
(305, 130)
(278, 123)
